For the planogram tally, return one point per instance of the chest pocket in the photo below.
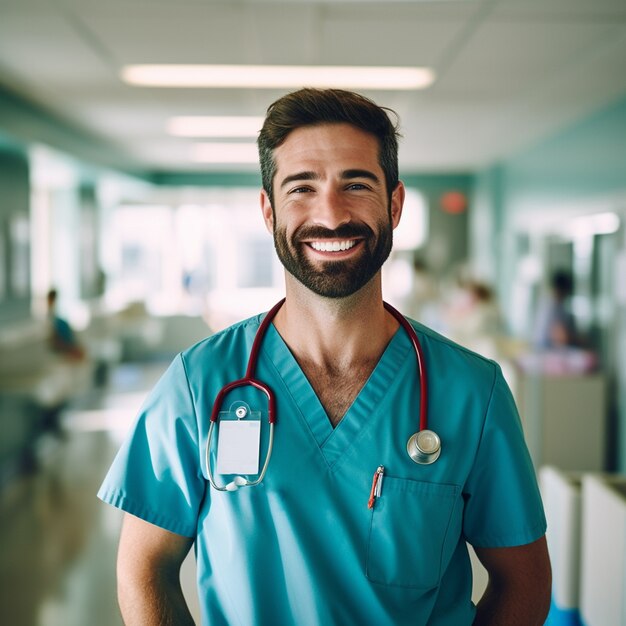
(414, 526)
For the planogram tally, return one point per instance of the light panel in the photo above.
(278, 76)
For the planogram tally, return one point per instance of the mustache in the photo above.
(349, 230)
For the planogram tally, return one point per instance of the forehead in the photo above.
(327, 146)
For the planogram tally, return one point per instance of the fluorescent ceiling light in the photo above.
(278, 76)
(214, 126)
(225, 153)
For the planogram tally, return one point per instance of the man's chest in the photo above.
(337, 388)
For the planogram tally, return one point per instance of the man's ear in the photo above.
(266, 209)
(397, 202)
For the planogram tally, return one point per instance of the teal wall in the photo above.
(587, 159)
(447, 245)
(485, 224)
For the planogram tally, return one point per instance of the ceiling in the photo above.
(509, 72)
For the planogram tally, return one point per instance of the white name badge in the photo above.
(238, 447)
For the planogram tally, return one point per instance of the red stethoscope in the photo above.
(424, 447)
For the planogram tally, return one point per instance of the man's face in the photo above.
(332, 219)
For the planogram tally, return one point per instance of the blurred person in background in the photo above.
(554, 325)
(62, 338)
(472, 317)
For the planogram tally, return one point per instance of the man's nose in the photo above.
(331, 209)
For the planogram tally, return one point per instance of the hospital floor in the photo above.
(57, 540)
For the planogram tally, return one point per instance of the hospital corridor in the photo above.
(131, 228)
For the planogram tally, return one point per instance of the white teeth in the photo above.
(332, 246)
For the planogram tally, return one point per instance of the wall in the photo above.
(447, 244)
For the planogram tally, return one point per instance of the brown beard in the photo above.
(341, 278)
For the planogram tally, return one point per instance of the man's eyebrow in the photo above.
(299, 176)
(348, 174)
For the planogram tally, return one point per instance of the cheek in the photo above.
(282, 235)
(289, 218)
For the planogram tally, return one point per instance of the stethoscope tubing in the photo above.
(420, 363)
(250, 380)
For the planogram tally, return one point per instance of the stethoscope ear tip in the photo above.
(239, 481)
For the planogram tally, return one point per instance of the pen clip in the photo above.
(377, 486)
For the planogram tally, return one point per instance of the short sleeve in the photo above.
(503, 505)
(156, 474)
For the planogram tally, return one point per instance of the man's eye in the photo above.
(300, 190)
(357, 186)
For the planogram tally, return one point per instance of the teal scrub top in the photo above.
(303, 548)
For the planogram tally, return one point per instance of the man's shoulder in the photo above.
(445, 351)
(237, 335)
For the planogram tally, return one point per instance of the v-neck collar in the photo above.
(334, 442)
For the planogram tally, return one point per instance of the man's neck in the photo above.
(336, 333)
(337, 342)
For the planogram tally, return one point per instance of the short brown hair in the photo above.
(308, 107)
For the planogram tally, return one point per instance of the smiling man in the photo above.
(328, 516)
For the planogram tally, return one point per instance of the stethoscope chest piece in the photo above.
(424, 447)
